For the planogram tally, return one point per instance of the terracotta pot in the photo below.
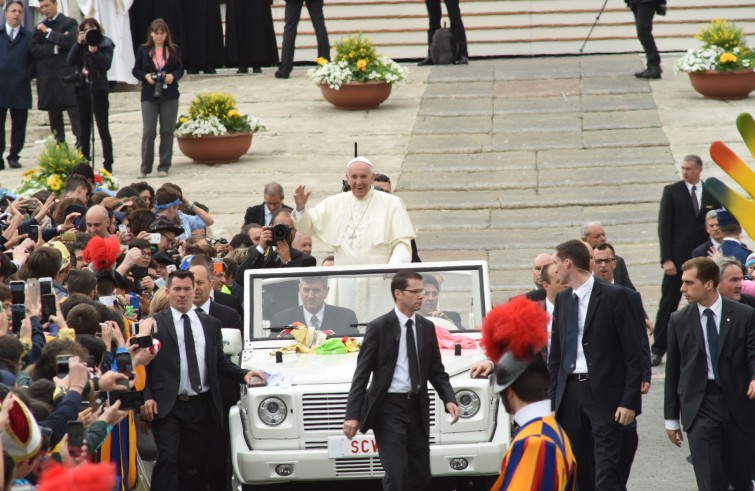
(211, 149)
(357, 95)
(723, 85)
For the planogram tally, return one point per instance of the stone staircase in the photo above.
(515, 27)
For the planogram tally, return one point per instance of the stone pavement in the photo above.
(499, 160)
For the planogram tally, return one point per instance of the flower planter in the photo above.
(723, 85)
(211, 149)
(357, 95)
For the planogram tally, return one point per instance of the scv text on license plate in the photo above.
(359, 446)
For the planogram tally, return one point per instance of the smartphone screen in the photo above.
(49, 307)
(61, 364)
(18, 294)
(129, 399)
(34, 232)
(45, 286)
(75, 434)
(123, 360)
(141, 341)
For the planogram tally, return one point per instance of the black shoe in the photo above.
(463, 60)
(13, 164)
(655, 360)
(280, 74)
(210, 71)
(243, 69)
(256, 69)
(650, 73)
(425, 62)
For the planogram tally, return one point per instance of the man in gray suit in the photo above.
(314, 312)
(710, 380)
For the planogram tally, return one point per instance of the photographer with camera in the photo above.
(159, 66)
(92, 56)
(274, 249)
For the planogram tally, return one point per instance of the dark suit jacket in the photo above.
(337, 319)
(163, 374)
(231, 301)
(17, 69)
(51, 67)
(637, 311)
(611, 345)
(256, 214)
(687, 365)
(621, 275)
(378, 356)
(145, 65)
(702, 249)
(229, 319)
(679, 230)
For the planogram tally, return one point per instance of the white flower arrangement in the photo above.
(216, 114)
(708, 58)
(202, 127)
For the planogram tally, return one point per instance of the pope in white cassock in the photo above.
(364, 226)
(113, 16)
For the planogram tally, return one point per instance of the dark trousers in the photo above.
(643, 20)
(454, 15)
(56, 123)
(670, 296)
(595, 437)
(403, 444)
(181, 439)
(292, 15)
(18, 118)
(101, 108)
(721, 451)
(629, 443)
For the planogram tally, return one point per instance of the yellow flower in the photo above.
(105, 173)
(321, 61)
(54, 182)
(28, 173)
(233, 113)
(184, 119)
(362, 65)
(728, 58)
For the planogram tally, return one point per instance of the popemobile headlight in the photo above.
(273, 411)
(469, 403)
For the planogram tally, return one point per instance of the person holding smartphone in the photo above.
(159, 67)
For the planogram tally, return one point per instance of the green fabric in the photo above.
(332, 347)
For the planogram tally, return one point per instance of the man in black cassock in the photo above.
(143, 12)
(202, 46)
(249, 35)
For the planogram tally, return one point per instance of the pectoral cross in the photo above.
(352, 238)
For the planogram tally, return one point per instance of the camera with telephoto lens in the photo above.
(159, 79)
(76, 79)
(281, 232)
(93, 37)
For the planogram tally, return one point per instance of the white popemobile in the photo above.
(291, 429)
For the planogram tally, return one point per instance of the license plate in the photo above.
(359, 446)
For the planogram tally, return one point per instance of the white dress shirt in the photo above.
(698, 192)
(402, 381)
(15, 30)
(532, 411)
(184, 386)
(584, 293)
(308, 316)
(268, 214)
(205, 306)
(673, 424)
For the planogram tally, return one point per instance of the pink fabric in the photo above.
(446, 340)
(748, 287)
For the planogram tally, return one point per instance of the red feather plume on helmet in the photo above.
(518, 326)
(89, 477)
(102, 253)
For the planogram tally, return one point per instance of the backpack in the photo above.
(443, 48)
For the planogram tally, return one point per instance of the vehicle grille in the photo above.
(365, 466)
(322, 411)
(315, 445)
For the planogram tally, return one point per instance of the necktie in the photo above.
(710, 328)
(411, 349)
(12, 33)
(569, 361)
(191, 356)
(695, 204)
(199, 310)
(315, 322)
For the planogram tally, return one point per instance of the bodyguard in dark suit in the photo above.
(230, 301)
(315, 312)
(594, 234)
(681, 227)
(50, 44)
(711, 226)
(396, 406)
(182, 392)
(262, 214)
(292, 15)
(595, 365)
(17, 68)
(710, 380)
